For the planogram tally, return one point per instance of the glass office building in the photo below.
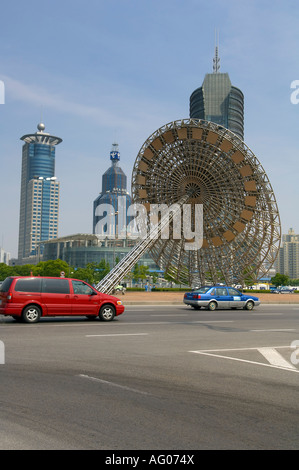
(39, 199)
(110, 207)
(80, 249)
(220, 102)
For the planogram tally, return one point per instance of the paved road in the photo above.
(155, 378)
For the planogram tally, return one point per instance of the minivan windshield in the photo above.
(6, 284)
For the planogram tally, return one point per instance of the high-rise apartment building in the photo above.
(288, 258)
(4, 256)
(218, 101)
(39, 199)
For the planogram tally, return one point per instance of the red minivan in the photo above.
(29, 298)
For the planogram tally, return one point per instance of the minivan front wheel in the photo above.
(31, 314)
(107, 313)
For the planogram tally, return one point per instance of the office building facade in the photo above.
(39, 198)
(218, 101)
(80, 249)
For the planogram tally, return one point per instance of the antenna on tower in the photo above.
(216, 60)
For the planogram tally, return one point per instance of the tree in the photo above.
(140, 272)
(155, 276)
(92, 273)
(103, 269)
(84, 274)
(5, 271)
(136, 273)
(280, 280)
(51, 268)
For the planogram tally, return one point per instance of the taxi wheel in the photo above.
(212, 306)
(107, 313)
(249, 305)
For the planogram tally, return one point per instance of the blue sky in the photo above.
(117, 70)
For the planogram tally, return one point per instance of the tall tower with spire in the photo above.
(39, 198)
(218, 101)
(112, 203)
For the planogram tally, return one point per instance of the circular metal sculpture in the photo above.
(241, 224)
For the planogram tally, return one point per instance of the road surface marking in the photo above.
(119, 334)
(211, 352)
(113, 384)
(168, 315)
(266, 313)
(275, 358)
(276, 329)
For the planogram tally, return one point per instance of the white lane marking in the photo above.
(211, 352)
(275, 358)
(113, 384)
(266, 313)
(276, 329)
(169, 315)
(213, 321)
(236, 349)
(119, 334)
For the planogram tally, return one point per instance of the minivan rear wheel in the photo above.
(31, 314)
(107, 313)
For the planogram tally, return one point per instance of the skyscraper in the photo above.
(218, 101)
(39, 201)
(288, 258)
(110, 207)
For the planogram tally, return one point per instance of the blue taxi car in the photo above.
(213, 297)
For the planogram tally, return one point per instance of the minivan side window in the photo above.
(56, 286)
(6, 284)
(81, 288)
(28, 285)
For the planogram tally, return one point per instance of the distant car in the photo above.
(30, 298)
(214, 297)
(285, 290)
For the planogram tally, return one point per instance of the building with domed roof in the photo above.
(110, 240)
(39, 198)
(110, 207)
